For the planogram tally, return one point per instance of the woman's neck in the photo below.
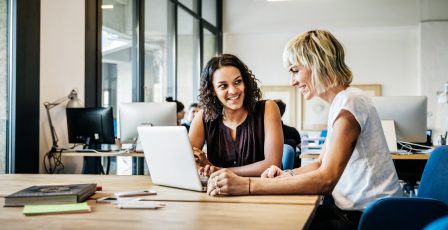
(331, 93)
(233, 118)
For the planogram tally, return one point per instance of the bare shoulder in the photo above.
(197, 123)
(270, 105)
(347, 115)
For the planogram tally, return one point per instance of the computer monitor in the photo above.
(408, 114)
(132, 115)
(90, 126)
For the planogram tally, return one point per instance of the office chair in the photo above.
(439, 224)
(401, 213)
(434, 182)
(288, 158)
(413, 213)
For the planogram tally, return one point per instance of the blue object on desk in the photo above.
(323, 133)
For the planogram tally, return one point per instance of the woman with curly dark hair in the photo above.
(242, 132)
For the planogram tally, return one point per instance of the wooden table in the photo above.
(184, 209)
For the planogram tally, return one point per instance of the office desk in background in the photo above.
(139, 169)
(415, 156)
(409, 167)
(103, 154)
(184, 209)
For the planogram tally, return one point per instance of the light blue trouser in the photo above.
(288, 158)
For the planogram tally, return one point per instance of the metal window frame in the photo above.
(93, 60)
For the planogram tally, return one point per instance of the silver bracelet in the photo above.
(290, 172)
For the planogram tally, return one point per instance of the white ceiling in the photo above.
(261, 16)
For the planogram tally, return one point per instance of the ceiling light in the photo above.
(107, 6)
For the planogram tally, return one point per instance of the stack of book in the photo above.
(48, 197)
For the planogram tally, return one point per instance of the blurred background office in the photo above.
(400, 45)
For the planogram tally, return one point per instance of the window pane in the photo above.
(209, 46)
(209, 11)
(116, 52)
(118, 55)
(157, 51)
(190, 4)
(3, 83)
(187, 59)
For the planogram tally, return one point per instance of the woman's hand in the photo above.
(200, 157)
(273, 172)
(207, 170)
(225, 182)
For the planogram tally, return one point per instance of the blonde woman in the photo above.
(355, 166)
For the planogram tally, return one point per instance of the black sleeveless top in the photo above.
(248, 146)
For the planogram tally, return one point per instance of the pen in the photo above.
(136, 193)
(138, 206)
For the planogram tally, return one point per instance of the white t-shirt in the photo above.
(370, 173)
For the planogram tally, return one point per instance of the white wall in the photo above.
(434, 70)
(61, 68)
(376, 55)
(382, 39)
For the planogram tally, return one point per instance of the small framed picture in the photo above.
(287, 94)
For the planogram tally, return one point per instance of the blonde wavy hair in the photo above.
(323, 54)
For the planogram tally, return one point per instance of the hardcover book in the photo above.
(51, 194)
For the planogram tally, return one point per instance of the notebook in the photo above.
(170, 158)
(30, 210)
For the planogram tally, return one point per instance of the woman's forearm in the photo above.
(254, 169)
(307, 168)
(304, 184)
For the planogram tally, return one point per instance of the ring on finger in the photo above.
(216, 181)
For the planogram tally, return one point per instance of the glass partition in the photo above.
(190, 4)
(116, 47)
(3, 83)
(159, 59)
(210, 46)
(187, 57)
(118, 54)
(209, 11)
(158, 53)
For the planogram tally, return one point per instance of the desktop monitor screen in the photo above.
(408, 114)
(90, 126)
(132, 115)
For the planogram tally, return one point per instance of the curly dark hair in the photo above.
(211, 105)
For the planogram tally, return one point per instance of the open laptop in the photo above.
(170, 158)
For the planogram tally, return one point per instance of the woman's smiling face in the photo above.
(229, 87)
(301, 79)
